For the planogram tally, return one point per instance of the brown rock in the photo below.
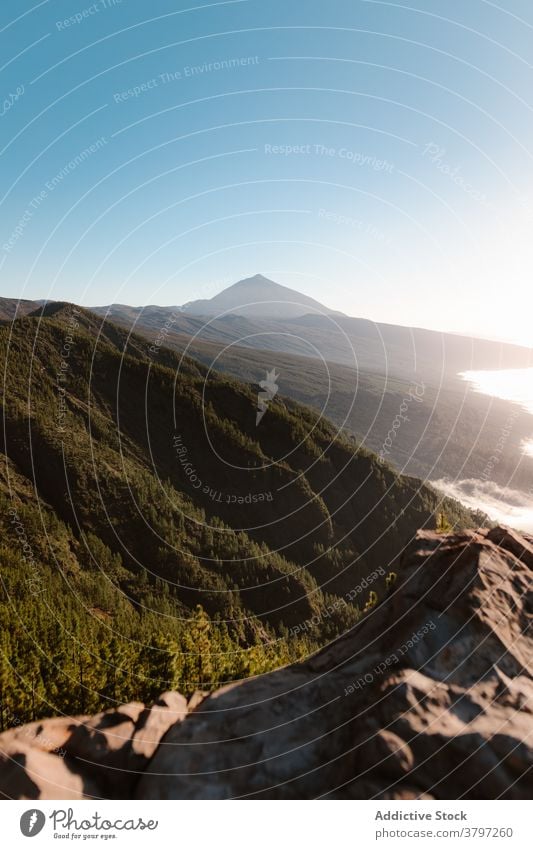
(154, 723)
(196, 699)
(100, 756)
(429, 697)
(27, 772)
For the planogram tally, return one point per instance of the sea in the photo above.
(502, 504)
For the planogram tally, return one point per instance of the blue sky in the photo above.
(374, 155)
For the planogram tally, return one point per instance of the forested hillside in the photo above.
(152, 536)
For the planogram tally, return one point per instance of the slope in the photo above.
(151, 512)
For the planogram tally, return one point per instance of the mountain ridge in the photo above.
(335, 336)
(318, 313)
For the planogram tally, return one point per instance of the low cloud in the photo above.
(501, 504)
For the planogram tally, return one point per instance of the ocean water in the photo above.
(515, 384)
(501, 504)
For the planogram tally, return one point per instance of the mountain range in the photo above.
(176, 569)
(258, 313)
(359, 374)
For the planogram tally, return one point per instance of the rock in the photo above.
(430, 696)
(84, 756)
(196, 699)
(49, 735)
(27, 772)
(169, 709)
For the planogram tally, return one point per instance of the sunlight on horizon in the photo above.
(514, 385)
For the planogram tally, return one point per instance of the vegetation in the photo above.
(442, 524)
(449, 435)
(153, 537)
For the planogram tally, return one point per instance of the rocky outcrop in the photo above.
(86, 757)
(430, 696)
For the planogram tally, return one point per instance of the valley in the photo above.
(190, 585)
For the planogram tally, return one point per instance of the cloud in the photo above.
(501, 504)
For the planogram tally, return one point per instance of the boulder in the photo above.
(430, 696)
(85, 757)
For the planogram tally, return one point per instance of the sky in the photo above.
(373, 155)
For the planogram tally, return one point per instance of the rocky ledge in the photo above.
(429, 697)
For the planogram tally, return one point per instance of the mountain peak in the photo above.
(253, 282)
(264, 283)
(259, 297)
(256, 278)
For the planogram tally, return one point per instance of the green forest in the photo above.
(145, 543)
